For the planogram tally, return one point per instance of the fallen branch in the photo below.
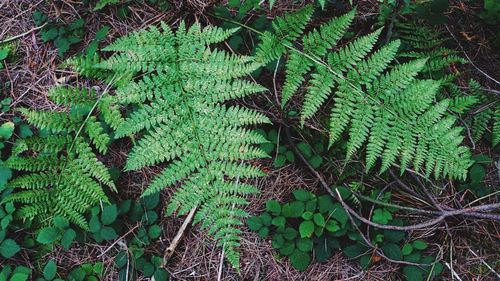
(22, 34)
(169, 251)
(442, 214)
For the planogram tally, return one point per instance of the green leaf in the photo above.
(290, 233)
(278, 241)
(302, 195)
(77, 274)
(306, 229)
(101, 33)
(60, 222)
(94, 224)
(25, 131)
(77, 24)
(68, 238)
(305, 149)
(319, 219)
(392, 251)
(307, 215)
(340, 214)
(9, 208)
(322, 251)
(419, 244)
(290, 156)
(121, 259)
(300, 260)
(148, 269)
(322, 3)
(332, 226)
(273, 136)
(477, 173)
(268, 147)
(305, 244)
(413, 257)
(160, 275)
(50, 34)
(273, 207)
(124, 207)
(151, 201)
(108, 233)
(109, 214)
(149, 217)
(287, 248)
(154, 231)
(50, 270)
(393, 235)
(263, 232)
(437, 269)
(325, 204)
(19, 276)
(103, 3)
(48, 235)
(293, 210)
(318, 230)
(271, 4)
(315, 161)
(381, 216)
(39, 18)
(407, 249)
(279, 221)
(62, 45)
(413, 273)
(3, 54)
(254, 223)
(365, 261)
(355, 250)
(5, 175)
(4, 223)
(279, 161)
(6, 130)
(8, 248)
(311, 205)
(266, 219)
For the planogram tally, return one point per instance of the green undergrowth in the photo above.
(312, 228)
(176, 95)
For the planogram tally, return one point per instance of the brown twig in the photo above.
(169, 251)
(118, 240)
(468, 58)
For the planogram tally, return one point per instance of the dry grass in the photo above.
(36, 69)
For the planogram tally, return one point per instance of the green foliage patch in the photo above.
(370, 97)
(62, 35)
(315, 227)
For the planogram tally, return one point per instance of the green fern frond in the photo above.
(386, 107)
(180, 120)
(61, 186)
(286, 30)
(61, 173)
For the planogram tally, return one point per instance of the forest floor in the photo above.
(37, 68)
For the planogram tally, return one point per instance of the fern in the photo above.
(422, 41)
(486, 117)
(61, 175)
(181, 121)
(387, 107)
